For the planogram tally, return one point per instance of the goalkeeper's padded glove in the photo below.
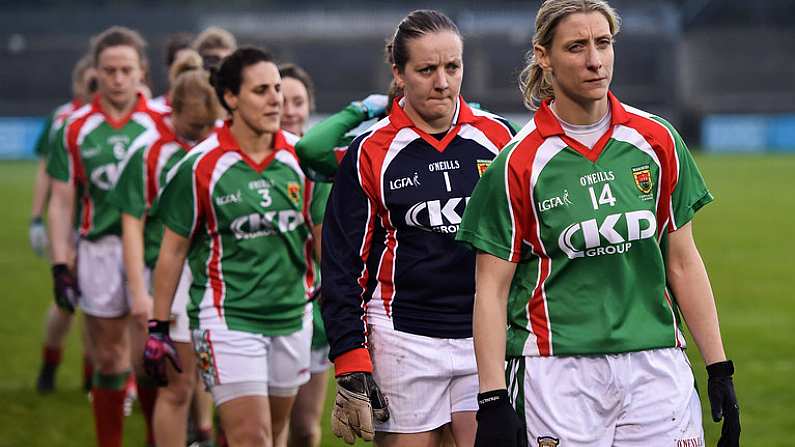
(359, 405)
(723, 402)
(65, 287)
(498, 423)
(37, 235)
(160, 347)
(372, 106)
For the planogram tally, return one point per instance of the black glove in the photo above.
(359, 405)
(65, 287)
(723, 402)
(498, 423)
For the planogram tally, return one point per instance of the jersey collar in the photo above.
(463, 115)
(140, 106)
(549, 126)
(228, 142)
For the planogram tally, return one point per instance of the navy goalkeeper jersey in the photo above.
(389, 251)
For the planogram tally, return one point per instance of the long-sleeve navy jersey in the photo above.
(389, 250)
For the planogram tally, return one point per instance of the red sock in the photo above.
(147, 394)
(108, 415)
(51, 356)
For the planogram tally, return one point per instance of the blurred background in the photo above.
(723, 71)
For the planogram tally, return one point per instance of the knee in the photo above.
(304, 431)
(110, 358)
(177, 394)
(249, 433)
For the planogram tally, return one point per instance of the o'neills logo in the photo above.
(547, 441)
(643, 180)
(690, 442)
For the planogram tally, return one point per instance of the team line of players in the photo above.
(217, 232)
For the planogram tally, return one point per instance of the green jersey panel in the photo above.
(585, 228)
(318, 148)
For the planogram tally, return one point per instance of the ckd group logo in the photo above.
(587, 238)
(441, 216)
(105, 176)
(265, 224)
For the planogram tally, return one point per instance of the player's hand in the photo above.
(723, 402)
(65, 287)
(141, 307)
(37, 235)
(373, 106)
(498, 423)
(358, 406)
(160, 347)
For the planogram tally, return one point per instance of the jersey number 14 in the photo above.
(605, 198)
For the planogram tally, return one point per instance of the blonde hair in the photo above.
(533, 83)
(214, 38)
(190, 82)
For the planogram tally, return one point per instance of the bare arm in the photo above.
(492, 283)
(689, 282)
(132, 230)
(41, 188)
(317, 231)
(59, 219)
(173, 251)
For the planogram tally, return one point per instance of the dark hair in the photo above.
(119, 36)
(229, 76)
(174, 44)
(299, 74)
(415, 25)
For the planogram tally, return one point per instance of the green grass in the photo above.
(745, 236)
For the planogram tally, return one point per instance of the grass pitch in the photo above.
(745, 236)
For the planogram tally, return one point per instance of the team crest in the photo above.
(547, 441)
(294, 192)
(643, 180)
(482, 166)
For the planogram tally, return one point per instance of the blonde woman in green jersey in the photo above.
(241, 211)
(584, 230)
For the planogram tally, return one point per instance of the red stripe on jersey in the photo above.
(496, 131)
(79, 177)
(88, 214)
(151, 176)
(371, 165)
(679, 343)
(521, 162)
(203, 177)
(661, 141)
(309, 275)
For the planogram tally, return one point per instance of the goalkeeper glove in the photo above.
(37, 235)
(160, 347)
(358, 407)
(65, 287)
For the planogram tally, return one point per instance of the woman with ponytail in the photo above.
(195, 110)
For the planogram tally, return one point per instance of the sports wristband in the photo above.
(721, 369)
(492, 399)
(158, 327)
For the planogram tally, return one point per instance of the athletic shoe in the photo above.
(45, 383)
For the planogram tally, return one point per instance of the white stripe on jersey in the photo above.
(471, 132)
(633, 137)
(202, 148)
(496, 118)
(654, 118)
(546, 152)
(166, 152)
(289, 159)
(91, 123)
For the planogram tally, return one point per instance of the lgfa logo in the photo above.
(640, 225)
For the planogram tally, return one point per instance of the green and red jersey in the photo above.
(587, 228)
(52, 124)
(250, 230)
(89, 151)
(143, 175)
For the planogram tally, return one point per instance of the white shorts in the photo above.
(319, 362)
(179, 329)
(101, 278)
(637, 399)
(267, 365)
(424, 379)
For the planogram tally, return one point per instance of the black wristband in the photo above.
(720, 369)
(36, 220)
(492, 399)
(59, 269)
(158, 327)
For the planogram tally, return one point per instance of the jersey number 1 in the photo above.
(605, 198)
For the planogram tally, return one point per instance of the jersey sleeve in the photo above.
(320, 194)
(177, 204)
(128, 193)
(316, 149)
(347, 233)
(492, 221)
(58, 158)
(690, 192)
(43, 142)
